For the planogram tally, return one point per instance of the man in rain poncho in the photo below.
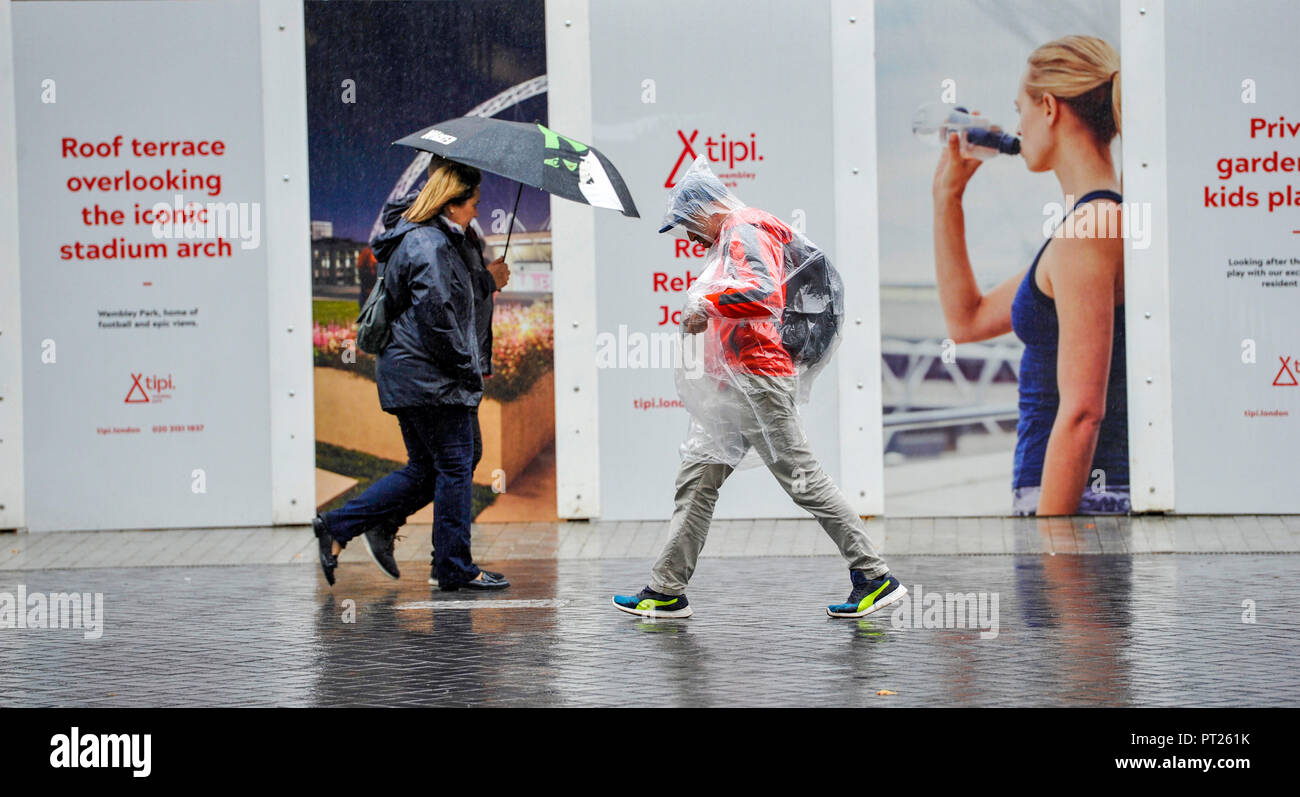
(744, 397)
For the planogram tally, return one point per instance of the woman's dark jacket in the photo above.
(436, 355)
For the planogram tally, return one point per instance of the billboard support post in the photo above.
(1146, 271)
(11, 353)
(857, 252)
(573, 242)
(288, 259)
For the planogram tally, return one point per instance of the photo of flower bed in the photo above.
(523, 345)
(516, 415)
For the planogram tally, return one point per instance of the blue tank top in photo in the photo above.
(1034, 320)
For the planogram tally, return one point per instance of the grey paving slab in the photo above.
(719, 533)
(233, 545)
(760, 538)
(807, 533)
(574, 540)
(1232, 535)
(9, 546)
(562, 531)
(649, 540)
(736, 540)
(253, 550)
(598, 534)
(643, 540)
(1272, 529)
(1160, 533)
(1137, 528)
(1008, 535)
(820, 543)
(281, 544)
(1110, 537)
(1184, 534)
(920, 535)
(1086, 538)
(98, 552)
(1026, 538)
(618, 539)
(782, 539)
(789, 537)
(537, 540)
(878, 532)
(945, 535)
(187, 547)
(306, 548)
(1204, 534)
(987, 534)
(1291, 538)
(25, 549)
(69, 551)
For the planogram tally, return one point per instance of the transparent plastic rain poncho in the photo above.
(773, 306)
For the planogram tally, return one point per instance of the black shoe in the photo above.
(379, 542)
(489, 581)
(433, 575)
(328, 561)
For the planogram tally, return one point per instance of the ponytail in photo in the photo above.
(1082, 72)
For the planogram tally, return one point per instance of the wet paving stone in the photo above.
(1071, 630)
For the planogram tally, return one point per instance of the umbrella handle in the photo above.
(511, 228)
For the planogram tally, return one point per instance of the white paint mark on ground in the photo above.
(487, 604)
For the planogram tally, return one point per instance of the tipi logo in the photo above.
(717, 150)
(1285, 376)
(146, 391)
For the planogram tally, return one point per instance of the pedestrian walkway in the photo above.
(503, 542)
(1034, 630)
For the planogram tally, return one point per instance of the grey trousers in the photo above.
(767, 420)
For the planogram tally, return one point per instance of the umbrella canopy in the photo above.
(531, 154)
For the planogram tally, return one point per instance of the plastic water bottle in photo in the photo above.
(980, 138)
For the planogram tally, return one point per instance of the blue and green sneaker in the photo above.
(868, 595)
(648, 603)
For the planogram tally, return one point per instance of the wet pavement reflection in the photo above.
(1112, 630)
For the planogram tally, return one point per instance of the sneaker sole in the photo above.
(375, 559)
(875, 607)
(679, 613)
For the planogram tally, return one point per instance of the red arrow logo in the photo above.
(1285, 369)
(687, 149)
(135, 385)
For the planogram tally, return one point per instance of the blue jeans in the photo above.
(439, 449)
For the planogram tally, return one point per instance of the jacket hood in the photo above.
(696, 198)
(386, 242)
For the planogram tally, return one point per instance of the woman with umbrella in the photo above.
(431, 372)
(430, 375)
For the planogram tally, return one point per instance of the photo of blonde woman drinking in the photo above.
(1067, 305)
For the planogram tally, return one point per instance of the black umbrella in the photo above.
(531, 154)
